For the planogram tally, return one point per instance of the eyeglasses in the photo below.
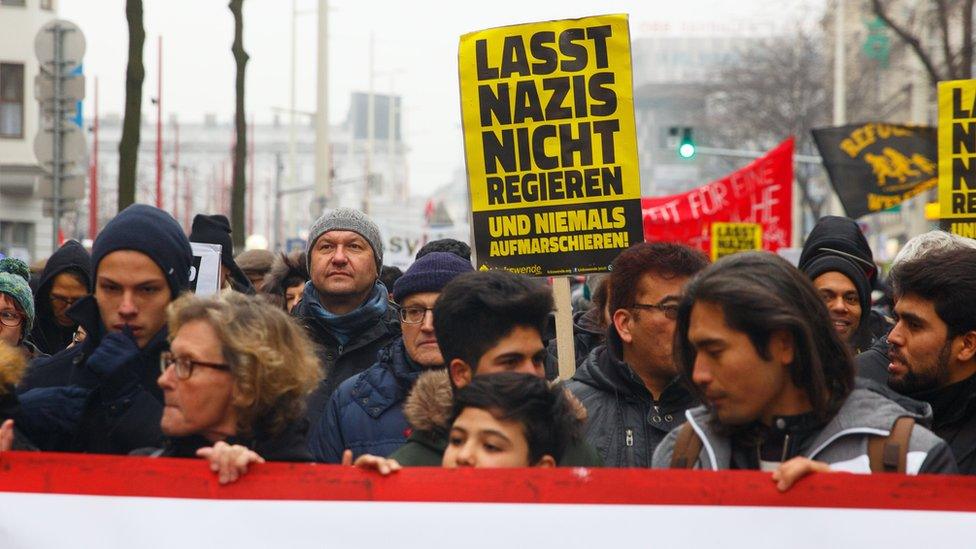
(11, 319)
(184, 366)
(64, 301)
(670, 310)
(414, 315)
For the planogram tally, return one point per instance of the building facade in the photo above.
(25, 232)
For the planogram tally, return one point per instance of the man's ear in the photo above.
(460, 372)
(781, 347)
(968, 349)
(546, 461)
(622, 320)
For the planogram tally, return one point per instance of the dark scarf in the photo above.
(343, 327)
(949, 403)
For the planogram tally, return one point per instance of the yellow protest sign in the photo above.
(550, 144)
(729, 238)
(957, 156)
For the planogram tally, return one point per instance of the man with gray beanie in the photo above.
(344, 306)
(101, 396)
(365, 414)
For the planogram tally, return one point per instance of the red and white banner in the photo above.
(66, 500)
(762, 192)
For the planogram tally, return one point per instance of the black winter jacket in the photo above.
(341, 362)
(121, 413)
(289, 445)
(624, 423)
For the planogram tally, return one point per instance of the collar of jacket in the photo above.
(952, 403)
(864, 412)
(605, 369)
(372, 393)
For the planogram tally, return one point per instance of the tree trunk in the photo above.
(134, 75)
(240, 125)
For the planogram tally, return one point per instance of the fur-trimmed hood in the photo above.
(431, 402)
(428, 408)
(12, 366)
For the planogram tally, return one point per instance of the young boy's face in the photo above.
(477, 439)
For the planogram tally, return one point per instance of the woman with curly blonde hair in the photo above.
(235, 382)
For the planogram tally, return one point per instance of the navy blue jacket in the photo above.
(365, 414)
(118, 415)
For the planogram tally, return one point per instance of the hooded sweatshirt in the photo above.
(49, 336)
(836, 244)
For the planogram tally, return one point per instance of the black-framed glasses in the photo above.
(414, 315)
(670, 310)
(11, 319)
(64, 301)
(183, 367)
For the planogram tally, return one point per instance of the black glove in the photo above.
(115, 351)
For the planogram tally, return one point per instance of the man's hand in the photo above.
(229, 462)
(7, 435)
(381, 465)
(114, 351)
(792, 470)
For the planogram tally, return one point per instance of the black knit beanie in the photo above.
(430, 273)
(214, 229)
(835, 263)
(153, 232)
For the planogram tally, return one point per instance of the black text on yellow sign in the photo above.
(957, 156)
(730, 238)
(548, 123)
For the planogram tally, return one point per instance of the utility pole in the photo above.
(292, 138)
(93, 179)
(323, 160)
(176, 168)
(277, 201)
(159, 127)
(370, 124)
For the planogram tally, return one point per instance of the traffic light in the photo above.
(686, 147)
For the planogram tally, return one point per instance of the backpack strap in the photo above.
(889, 454)
(686, 448)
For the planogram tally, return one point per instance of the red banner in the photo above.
(52, 500)
(762, 192)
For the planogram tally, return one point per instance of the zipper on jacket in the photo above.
(629, 442)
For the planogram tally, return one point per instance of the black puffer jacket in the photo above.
(49, 336)
(119, 414)
(624, 423)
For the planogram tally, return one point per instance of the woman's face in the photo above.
(201, 404)
(9, 309)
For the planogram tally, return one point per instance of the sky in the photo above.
(415, 54)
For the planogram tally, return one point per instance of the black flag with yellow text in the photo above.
(875, 166)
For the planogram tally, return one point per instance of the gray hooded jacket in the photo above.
(843, 442)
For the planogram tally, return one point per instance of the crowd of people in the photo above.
(326, 356)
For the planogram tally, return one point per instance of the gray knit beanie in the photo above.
(347, 219)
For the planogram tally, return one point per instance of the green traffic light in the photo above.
(686, 150)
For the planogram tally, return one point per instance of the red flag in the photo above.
(761, 192)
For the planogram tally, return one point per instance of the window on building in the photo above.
(16, 239)
(11, 100)
(47, 4)
(13, 2)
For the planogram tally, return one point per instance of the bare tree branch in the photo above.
(943, 12)
(909, 39)
(967, 40)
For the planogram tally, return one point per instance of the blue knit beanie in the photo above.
(153, 232)
(14, 281)
(430, 273)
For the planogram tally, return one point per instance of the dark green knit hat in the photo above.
(14, 281)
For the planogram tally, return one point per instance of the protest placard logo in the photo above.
(550, 145)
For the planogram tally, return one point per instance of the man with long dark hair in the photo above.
(756, 342)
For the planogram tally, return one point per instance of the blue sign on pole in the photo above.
(79, 119)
